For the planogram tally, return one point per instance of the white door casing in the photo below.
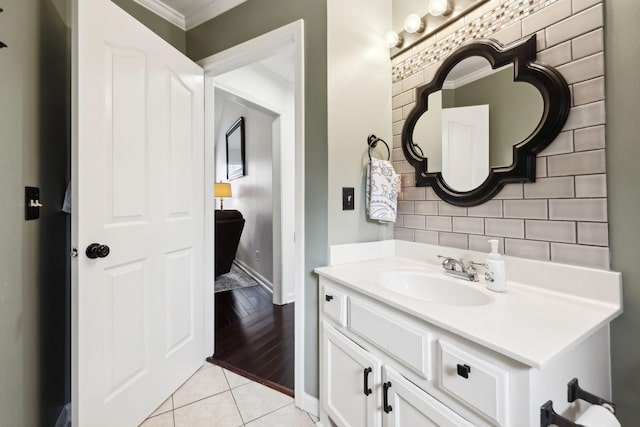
(138, 185)
(465, 146)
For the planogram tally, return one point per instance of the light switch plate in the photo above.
(348, 202)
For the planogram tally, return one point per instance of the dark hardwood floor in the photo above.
(254, 337)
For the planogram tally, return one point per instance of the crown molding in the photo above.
(161, 9)
(209, 11)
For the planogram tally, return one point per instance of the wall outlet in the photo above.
(348, 195)
(257, 255)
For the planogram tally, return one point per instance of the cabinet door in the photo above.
(406, 405)
(346, 370)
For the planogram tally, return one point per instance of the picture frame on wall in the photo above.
(236, 150)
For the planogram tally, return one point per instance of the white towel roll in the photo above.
(597, 416)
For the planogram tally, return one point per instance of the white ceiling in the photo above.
(187, 14)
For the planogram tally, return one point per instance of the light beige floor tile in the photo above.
(235, 380)
(255, 400)
(203, 383)
(289, 416)
(206, 365)
(164, 420)
(216, 411)
(166, 406)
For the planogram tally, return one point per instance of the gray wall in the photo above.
(165, 29)
(252, 193)
(34, 151)
(247, 21)
(623, 153)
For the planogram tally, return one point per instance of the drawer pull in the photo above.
(463, 370)
(367, 390)
(385, 394)
(328, 298)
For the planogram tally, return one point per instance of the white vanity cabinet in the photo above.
(359, 391)
(382, 367)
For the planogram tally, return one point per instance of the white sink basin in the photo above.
(434, 288)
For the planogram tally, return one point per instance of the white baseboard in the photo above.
(254, 274)
(308, 403)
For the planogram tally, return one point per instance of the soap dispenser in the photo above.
(496, 276)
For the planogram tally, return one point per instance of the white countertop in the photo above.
(530, 324)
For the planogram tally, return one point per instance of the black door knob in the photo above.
(96, 250)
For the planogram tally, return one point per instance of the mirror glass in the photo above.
(472, 124)
(235, 150)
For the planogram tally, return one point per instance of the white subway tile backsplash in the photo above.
(550, 188)
(541, 167)
(454, 240)
(510, 191)
(578, 209)
(445, 208)
(535, 209)
(561, 145)
(405, 207)
(589, 256)
(590, 138)
(402, 99)
(586, 115)
(468, 225)
(414, 221)
(546, 17)
(399, 221)
(591, 186)
(563, 215)
(579, 5)
(396, 88)
(426, 208)
(557, 55)
(424, 236)
(431, 195)
(509, 34)
(505, 227)
(552, 231)
(588, 91)
(576, 25)
(396, 115)
(413, 193)
(527, 249)
(439, 223)
(593, 233)
(584, 162)
(403, 234)
(412, 81)
(481, 243)
(492, 208)
(588, 44)
(583, 69)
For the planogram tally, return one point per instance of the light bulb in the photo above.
(413, 23)
(440, 7)
(393, 39)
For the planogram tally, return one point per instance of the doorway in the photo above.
(290, 208)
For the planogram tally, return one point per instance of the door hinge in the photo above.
(74, 252)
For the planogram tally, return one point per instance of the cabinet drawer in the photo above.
(334, 305)
(475, 381)
(399, 339)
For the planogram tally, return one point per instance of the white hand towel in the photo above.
(383, 185)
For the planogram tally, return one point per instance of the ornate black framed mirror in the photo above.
(479, 124)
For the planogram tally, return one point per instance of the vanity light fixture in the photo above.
(414, 24)
(393, 39)
(440, 7)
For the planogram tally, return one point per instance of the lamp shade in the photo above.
(222, 189)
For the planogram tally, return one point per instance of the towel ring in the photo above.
(372, 141)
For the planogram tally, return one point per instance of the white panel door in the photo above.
(411, 406)
(465, 146)
(138, 177)
(346, 369)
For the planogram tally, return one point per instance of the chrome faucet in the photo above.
(456, 268)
